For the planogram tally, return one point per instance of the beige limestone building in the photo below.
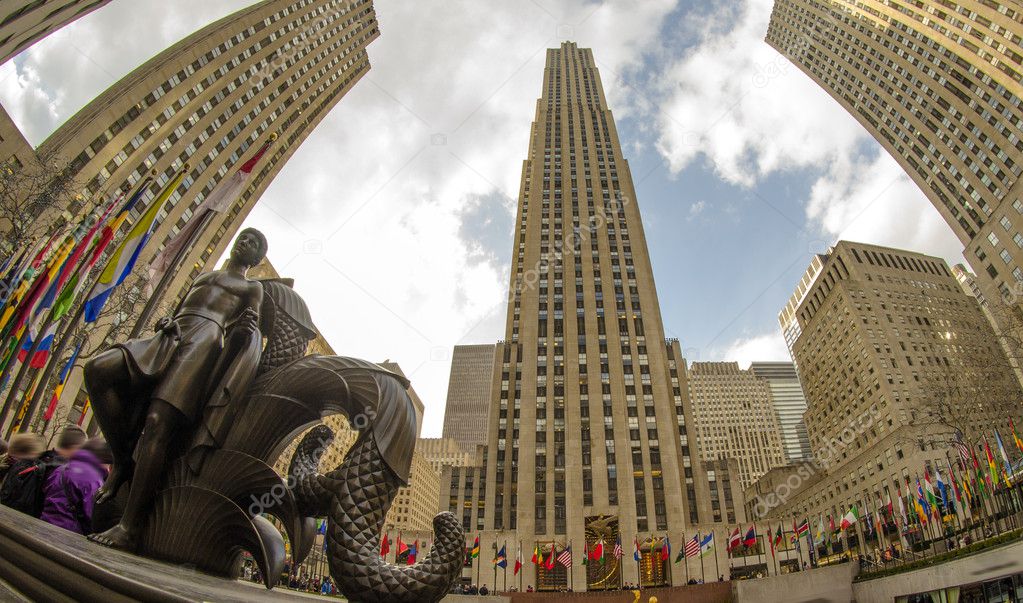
(789, 405)
(735, 418)
(894, 356)
(938, 84)
(590, 431)
(444, 452)
(468, 404)
(209, 102)
(25, 22)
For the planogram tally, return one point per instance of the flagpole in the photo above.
(685, 555)
(520, 572)
(714, 542)
(703, 573)
(495, 564)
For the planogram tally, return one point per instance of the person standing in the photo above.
(23, 474)
(70, 489)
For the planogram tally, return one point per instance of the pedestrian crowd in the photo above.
(56, 485)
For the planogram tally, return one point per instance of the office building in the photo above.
(789, 405)
(468, 405)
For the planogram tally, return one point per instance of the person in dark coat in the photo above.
(70, 489)
(22, 474)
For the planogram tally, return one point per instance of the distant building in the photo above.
(789, 404)
(735, 418)
(468, 404)
(444, 452)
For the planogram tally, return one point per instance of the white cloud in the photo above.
(757, 348)
(696, 209)
(369, 215)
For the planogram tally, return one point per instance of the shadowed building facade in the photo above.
(938, 84)
(590, 430)
(25, 22)
(468, 404)
(210, 101)
(891, 353)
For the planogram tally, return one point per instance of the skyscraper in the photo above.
(210, 101)
(590, 432)
(789, 404)
(25, 22)
(735, 418)
(894, 357)
(938, 84)
(468, 402)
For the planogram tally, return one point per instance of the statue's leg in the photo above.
(163, 422)
(108, 382)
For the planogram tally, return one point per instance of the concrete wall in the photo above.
(975, 568)
(832, 584)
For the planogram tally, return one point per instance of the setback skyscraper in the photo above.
(938, 84)
(590, 437)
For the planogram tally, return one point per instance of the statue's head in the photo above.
(249, 248)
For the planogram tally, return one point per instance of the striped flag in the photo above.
(692, 546)
(565, 558)
(121, 263)
(618, 552)
(961, 448)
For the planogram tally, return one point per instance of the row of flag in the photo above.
(42, 282)
(402, 549)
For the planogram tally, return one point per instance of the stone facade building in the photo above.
(894, 357)
(938, 84)
(789, 405)
(735, 418)
(25, 22)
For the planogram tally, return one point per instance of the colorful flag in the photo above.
(549, 565)
(1006, 463)
(412, 552)
(849, 518)
(121, 263)
(618, 548)
(475, 547)
(385, 544)
(692, 547)
(536, 555)
(636, 554)
(59, 389)
(734, 540)
(518, 561)
(991, 464)
(219, 201)
(402, 547)
(501, 560)
(665, 549)
(565, 558)
(707, 544)
(1015, 437)
(586, 552)
(750, 539)
(800, 529)
(942, 490)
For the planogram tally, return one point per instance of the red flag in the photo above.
(549, 565)
(385, 546)
(518, 561)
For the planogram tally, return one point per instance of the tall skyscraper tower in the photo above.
(25, 22)
(589, 435)
(789, 404)
(468, 403)
(211, 101)
(938, 84)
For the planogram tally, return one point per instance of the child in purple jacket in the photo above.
(70, 488)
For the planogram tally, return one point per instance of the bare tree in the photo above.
(30, 194)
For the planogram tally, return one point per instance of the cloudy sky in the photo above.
(395, 217)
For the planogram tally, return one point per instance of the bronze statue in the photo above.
(208, 467)
(148, 393)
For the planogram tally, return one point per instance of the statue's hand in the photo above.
(248, 322)
(162, 324)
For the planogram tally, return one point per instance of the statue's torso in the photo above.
(219, 295)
